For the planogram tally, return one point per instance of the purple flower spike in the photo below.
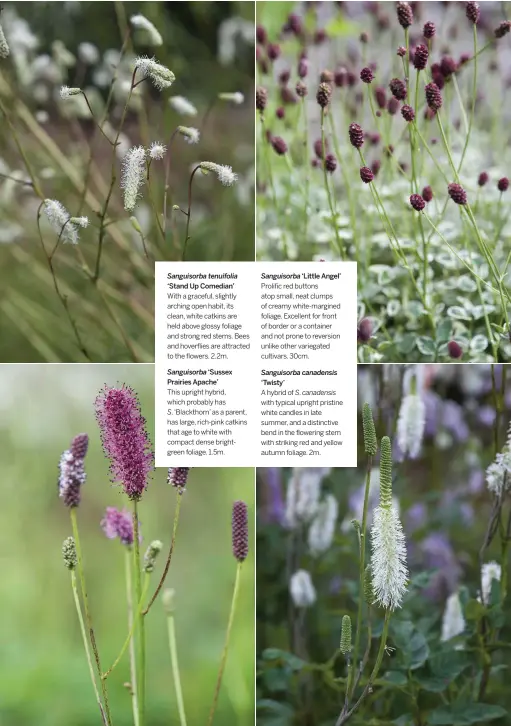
(178, 477)
(240, 530)
(72, 473)
(125, 440)
(118, 523)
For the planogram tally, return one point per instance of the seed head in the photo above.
(398, 89)
(178, 477)
(370, 443)
(420, 58)
(366, 175)
(151, 35)
(72, 472)
(417, 202)
(483, 178)
(160, 76)
(404, 14)
(124, 438)
(503, 184)
(190, 135)
(455, 349)
(366, 75)
(356, 135)
(182, 105)
(301, 89)
(407, 113)
(66, 92)
(240, 530)
(433, 96)
(364, 330)
(224, 173)
(60, 219)
(4, 47)
(457, 193)
(151, 554)
(118, 523)
(133, 171)
(261, 98)
(472, 12)
(279, 145)
(503, 29)
(157, 150)
(69, 553)
(323, 94)
(345, 645)
(429, 30)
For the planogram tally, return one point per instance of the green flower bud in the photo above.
(345, 644)
(370, 443)
(151, 554)
(69, 553)
(385, 473)
(167, 599)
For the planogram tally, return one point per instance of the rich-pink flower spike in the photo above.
(72, 473)
(240, 530)
(124, 438)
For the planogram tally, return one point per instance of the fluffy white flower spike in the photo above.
(182, 105)
(302, 497)
(490, 571)
(160, 76)
(157, 150)
(236, 98)
(66, 92)
(303, 592)
(224, 173)
(453, 622)
(133, 170)
(80, 221)
(190, 134)
(322, 529)
(4, 48)
(388, 559)
(412, 416)
(140, 22)
(61, 221)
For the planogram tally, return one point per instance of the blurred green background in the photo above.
(210, 48)
(44, 678)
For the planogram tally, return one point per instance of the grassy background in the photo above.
(43, 672)
(33, 326)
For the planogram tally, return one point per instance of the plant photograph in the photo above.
(383, 591)
(126, 137)
(127, 591)
(383, 137)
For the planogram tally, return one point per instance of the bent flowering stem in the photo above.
(86, 645)
(169, 556)
(88, 618)
(189, 212)
(167, 175)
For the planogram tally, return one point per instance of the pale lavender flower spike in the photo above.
(118, 523)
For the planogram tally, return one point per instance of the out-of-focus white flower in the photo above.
(152, 36)
(4, 47)
(21, 38)
(66, 92)
(63, 57)
(302, 497)
(412, 414)
(236, 98)
(231, 33)
(453, 622)
(322, 528)
(303, 592)
(88, 53)
(60, 220)
(160, 76)
(41, 116)
(157, 150)
(224, 173)
(44, 68)
(498, 474)
(190, 134)
(490, 571)
(133, 169)
(182, 105)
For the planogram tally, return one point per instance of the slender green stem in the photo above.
(86, 645)
(226, 644)
(307, 167)
(474, 101)
(138, 594)
(131, 641)
(362, 562)
(333, 214)
(169, 556)
(189, 213)
(175, 668)
(88, 618)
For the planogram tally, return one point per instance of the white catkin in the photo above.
(322, 528)
(190, 134)
(4, 47)
(88, 53)
(80, 221)
(224, 173)
(453, 622)
(140, 22)
(160, 76)
(237, 98)
(66, 92)
(59, 218)
(303, 592)
(490, 571)
(157, 150)
(410, 425)
(182, 105)
(133, 170)
(388, 559)
(302, 498)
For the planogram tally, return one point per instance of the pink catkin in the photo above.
(124, 438)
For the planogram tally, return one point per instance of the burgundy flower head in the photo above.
(356, 135)
(301, 89)
(178, 477)
(433, 96)
(380, 96)
(323, 94)
(429, 30)
(273, 51)
(240, 530)
(407, 113)
(455, 349)
(364, 330)
(427, 194)
(280, 112)
(483, 178)
(261, 98)
(125, 440)
(72, 473)
(318, 147)
(279, 145)
(366, 75)
(398, 89)
(261, 35)
(420, 58)
(457, 193)
(472, 12)
(448, 66)
(401, 51)
(393, 106)
(330, 163)
(366, 175)
(404, 14)
(417, 202)
(503, 184)
(503, 29)
(118, 523)
(303, 67)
